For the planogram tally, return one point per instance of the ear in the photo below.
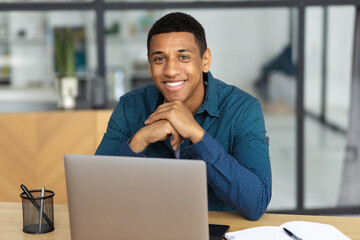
(150, 73)
(206, 59)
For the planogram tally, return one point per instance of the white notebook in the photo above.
(302, 229)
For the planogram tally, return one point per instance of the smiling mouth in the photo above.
(174, 84)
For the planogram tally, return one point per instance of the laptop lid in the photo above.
(136, 198)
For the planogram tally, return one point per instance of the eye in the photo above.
(158, 59)
(184, 57)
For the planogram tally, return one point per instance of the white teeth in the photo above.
(174, 84)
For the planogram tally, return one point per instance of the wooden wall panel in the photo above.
(101, 121)
(32, 146)
(17, 154)
(60, 133)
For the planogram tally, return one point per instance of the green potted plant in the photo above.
(66, 83)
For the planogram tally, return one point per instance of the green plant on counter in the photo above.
(64, 52)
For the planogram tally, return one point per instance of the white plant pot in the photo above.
(66, 90)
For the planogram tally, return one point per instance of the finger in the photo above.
(164, 107)
(163, 112)
(176, 138)
(175, 141)
(158, 131)
(181, 140)
(167, 104)
(176, 145)
(156, 116)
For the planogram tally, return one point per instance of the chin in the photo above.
(171, 99)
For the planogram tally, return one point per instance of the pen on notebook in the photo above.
(41, 207)
(292, 235)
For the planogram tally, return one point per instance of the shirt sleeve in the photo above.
(118, 134)
(125, 150)
(243, 179)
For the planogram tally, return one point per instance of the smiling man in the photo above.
(189, 114)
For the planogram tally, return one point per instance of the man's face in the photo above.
(177, 67)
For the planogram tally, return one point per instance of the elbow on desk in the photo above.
(254, 216)
(253, 211)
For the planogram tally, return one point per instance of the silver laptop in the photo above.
(136, 198)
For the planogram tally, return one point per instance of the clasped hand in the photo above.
(169, 119)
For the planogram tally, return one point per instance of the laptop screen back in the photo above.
(136, 198)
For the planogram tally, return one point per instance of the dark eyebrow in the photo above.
(184, 50)
(161, 52)
(156, 52)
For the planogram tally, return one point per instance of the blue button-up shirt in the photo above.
(234, 145)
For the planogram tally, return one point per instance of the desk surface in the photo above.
(11, 222)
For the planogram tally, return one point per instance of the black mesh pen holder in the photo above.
(38, 212)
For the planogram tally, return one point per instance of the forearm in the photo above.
(234, 184)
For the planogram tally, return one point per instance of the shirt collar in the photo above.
(210, 103)
(159, 99)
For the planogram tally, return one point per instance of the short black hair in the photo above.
(179, 22)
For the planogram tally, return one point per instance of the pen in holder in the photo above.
(38, 210)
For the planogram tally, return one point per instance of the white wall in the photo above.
(341, 35)
(27, 53)
(339, 60)
(243, 40)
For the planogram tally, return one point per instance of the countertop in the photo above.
(14, 100)
(13, 107)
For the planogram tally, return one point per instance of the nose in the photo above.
(171, 68)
